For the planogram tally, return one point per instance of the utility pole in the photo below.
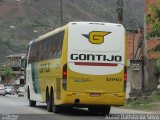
(61, 9)
(132, 28)
(120, 11)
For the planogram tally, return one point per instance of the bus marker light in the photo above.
(69, 94)
(94, 94)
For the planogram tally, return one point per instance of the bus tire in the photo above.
(55, 108)
(49, 103)
(32, 103)
(104, 110)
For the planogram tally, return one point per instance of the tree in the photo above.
(7, 73)
(154, 20)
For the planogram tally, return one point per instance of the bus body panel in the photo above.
(84, 48)
(31, 85)
(45, 70)
(91, 67)
(50, 76)
(93, 83)
(85, 98)
(95, 57)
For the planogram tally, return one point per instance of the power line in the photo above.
(61, 12)
(43, 16)
(57, 19)
(128, 7)
(120, 11)
(50, 21)
(58, 13)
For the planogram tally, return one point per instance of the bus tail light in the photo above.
(125, 73)
(125, 78)
(64, 77)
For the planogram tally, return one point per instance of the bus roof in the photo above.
(41, 37)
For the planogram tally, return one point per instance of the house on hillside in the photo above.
(15, 64)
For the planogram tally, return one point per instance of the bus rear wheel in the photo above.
(32, 103)
(104, 110)
(57, 108)
(49, 103)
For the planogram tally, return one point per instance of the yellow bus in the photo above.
(82, 64)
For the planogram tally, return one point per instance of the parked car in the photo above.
(2, 90)
(20, 91)
(9, 90)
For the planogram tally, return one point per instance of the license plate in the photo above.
(94, 94)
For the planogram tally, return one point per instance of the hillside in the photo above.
(23, 20)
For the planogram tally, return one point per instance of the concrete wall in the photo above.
(135, 76)
(142, 77)
(151, 82)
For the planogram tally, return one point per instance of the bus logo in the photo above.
(96, 37)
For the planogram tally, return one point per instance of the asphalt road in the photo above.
(13, 107)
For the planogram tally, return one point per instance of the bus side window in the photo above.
(51, 53)
(41, 51)
(37, 55)
(59, 53)
(55, 54)
(31, 55)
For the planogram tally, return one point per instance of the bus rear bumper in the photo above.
(115, 99)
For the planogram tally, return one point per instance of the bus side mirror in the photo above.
(23, 63)
(22, 81)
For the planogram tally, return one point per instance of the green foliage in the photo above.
(156, 29)
(152, 8)
(8, 72)
(158, 1)
(155, 49)
(154, 20)
(158, 67)
(147, 103)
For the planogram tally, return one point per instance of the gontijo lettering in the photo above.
(96, 57)
(44, 68)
